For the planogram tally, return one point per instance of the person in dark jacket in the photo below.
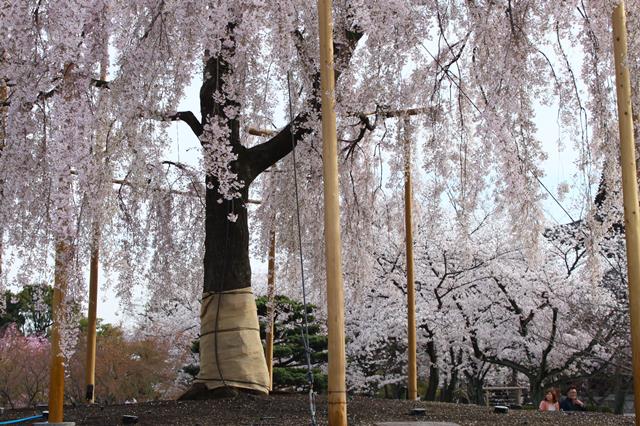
(571, 402)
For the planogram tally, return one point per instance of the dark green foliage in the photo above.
(30, 309)
(289, 361)
(297, 377)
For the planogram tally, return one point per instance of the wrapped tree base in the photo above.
(231, 353)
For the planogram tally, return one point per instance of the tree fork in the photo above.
(226, 260)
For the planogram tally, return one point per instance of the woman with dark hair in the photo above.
(550, 401)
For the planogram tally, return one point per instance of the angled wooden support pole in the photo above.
(629, 189)
(333, 253)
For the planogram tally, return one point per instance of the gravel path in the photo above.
(293, 410)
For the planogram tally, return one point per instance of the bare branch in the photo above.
(189, 118)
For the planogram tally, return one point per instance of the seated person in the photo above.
(550, 401)
(571, 402)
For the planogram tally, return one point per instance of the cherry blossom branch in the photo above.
(43, 95)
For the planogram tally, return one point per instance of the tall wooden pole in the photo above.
(271, 305)
(63, 258)
(333, 254)
(3, 97)
(64, 253)
(92, 315)
(412, 372)
(90, 367)
(629, 189)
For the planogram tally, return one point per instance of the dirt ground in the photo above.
(293, 410)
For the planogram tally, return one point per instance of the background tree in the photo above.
(24, 372)
(29, 309)
(289, 357)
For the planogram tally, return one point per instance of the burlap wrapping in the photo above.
(239, 358)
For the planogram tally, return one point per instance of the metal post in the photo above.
(337, 397)
(412, 372)
(271, 307)
(629, 189)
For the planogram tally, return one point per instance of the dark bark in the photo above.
(535, 390)
(450, 389)
(226, 259)
(475, 385)
(621, 387)
(434, 373)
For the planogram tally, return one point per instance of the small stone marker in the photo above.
(501, 409)
(129, 419)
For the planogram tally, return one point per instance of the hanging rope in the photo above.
(305, 329)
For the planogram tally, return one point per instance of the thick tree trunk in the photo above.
(451, 387)
(621, 388)
(434, 373)
(475, 390)
(227, 300)
(231, 354)
(535, 390)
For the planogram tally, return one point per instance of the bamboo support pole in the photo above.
(56, 379)
(63, 258)
(337, 397)
(90, 367)
(412, 372)
(629, 189)
(271, 307)
(92, 315)
(3, 97)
